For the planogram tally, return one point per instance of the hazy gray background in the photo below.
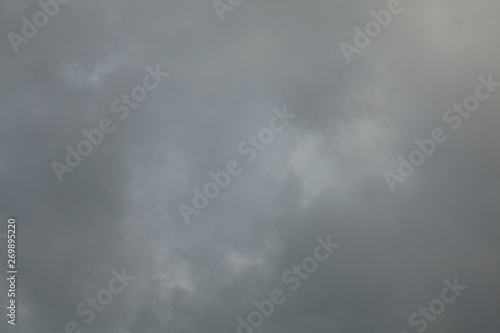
(323, 175)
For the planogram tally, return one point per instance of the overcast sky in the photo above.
(323, 174)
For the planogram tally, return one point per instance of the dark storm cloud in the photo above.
(323, 175)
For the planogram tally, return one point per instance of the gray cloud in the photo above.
(323, 175)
